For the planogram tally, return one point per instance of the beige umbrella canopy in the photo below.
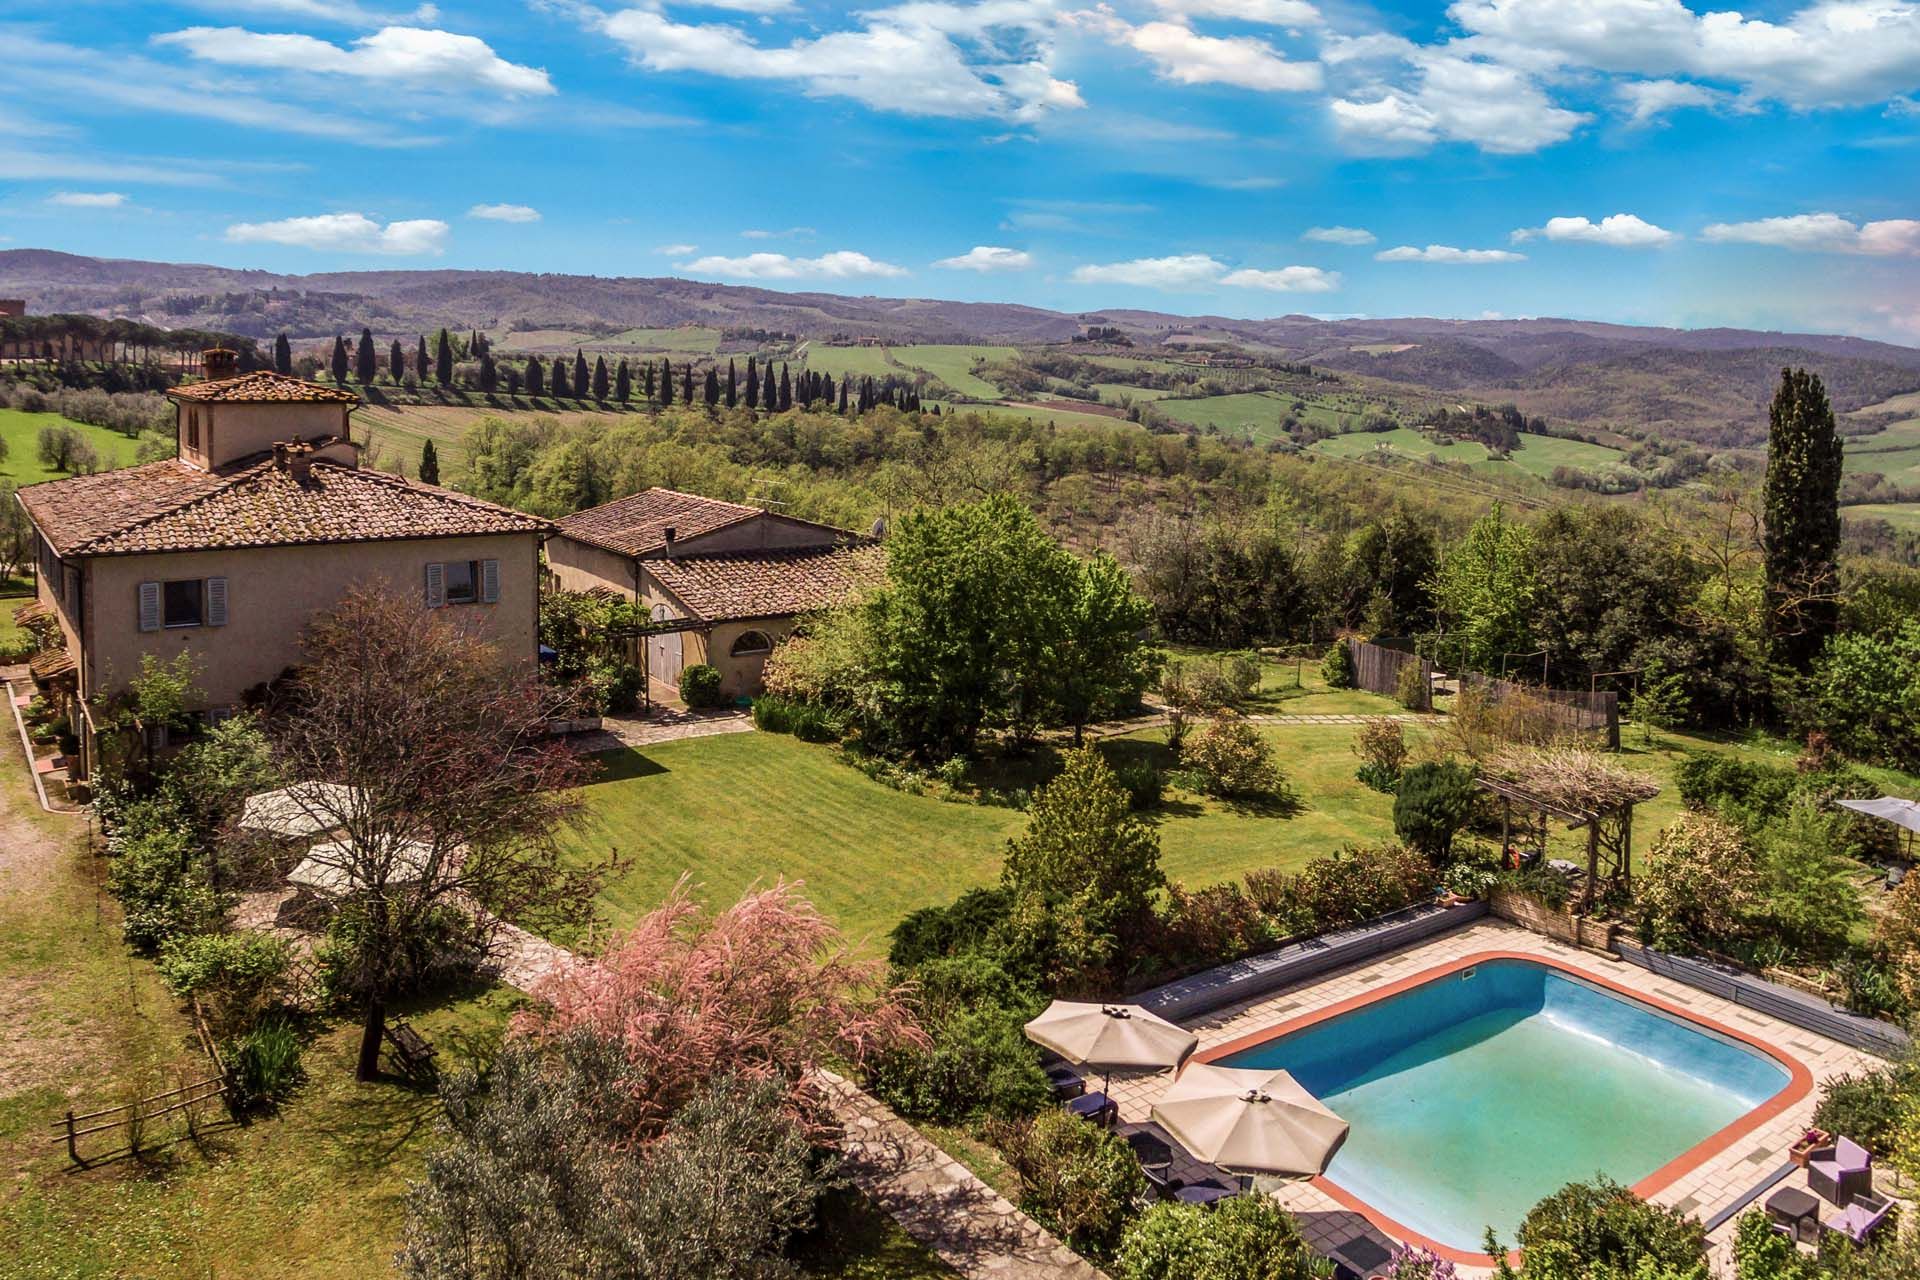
(1251, 1121)
(1110, 1035)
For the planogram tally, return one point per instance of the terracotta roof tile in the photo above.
(636, 524)
(264, 385)
(768, 584)
(169, 506)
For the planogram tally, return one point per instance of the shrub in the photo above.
(964, 925)
(1213, 924)
(1382, 747)
(442, 943)
(980, 1063)
(1337, 667)
(1144, 785)
(1243, 1238)
(1810, 895)
(159, 876)
(1762, 1253)
(813, 723)
(1601, 1227)
(1410, 1262)
(772, 715)
(1701, 883)
(1410, 688)
(236, 975)
(1355, 884)
(700, 686)
(263, 1064)
(1231, 759)
(1743, 791)
(1897, 933)
(1076, 1179)
(1431, 804)
(1865, 1108)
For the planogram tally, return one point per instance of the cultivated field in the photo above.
(953, 365)
(1901, 515)
(1537, 456)
(1893, 453)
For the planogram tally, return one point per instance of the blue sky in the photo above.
(1631, 160)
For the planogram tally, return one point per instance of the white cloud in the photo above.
(923, 57)
(1448, 254)
(346, 233)
(1451, 98)
(505, 213)
(677, 250)
(1181, 54)
(1273, 13)
(1284, 280)
(1620, 230)
(1338, 235)
(790, 233)
(1647, 101)
(1823, 233)
(1826, 53)
(343, 12)
(841, 265)
(88, 199)
(1182, 271)
(988, 258)
(410, 57)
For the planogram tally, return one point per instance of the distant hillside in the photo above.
(1708, 385)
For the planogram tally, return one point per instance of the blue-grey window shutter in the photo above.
(149, 606)
(489, 580)
(216, 602)
(436, 585)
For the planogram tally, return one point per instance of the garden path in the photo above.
(667, 724)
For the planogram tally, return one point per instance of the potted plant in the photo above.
(1809, 1142)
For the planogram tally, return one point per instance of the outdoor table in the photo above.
(1091, 1106)
(1204, 1193)
(1796, 1210)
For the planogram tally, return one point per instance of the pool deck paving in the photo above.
(1716, 1181)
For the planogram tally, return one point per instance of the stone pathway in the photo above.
(664, 725)
(939, 1202)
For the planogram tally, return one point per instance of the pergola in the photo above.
(1583, 789)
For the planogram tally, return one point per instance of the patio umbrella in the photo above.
(330, 867)
(303, 809)
(1901, 813)
(1111, 1035)
(1253, 1121)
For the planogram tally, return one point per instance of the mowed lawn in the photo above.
(21, 432)
(743, 808)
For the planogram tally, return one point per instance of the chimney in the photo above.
(295, 457)
(218, 363)
(670, 531)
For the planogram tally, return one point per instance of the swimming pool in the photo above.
(1475, 1090)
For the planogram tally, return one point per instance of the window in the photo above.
(182, 603)
(463, 579)
(749, 643)
(193, 428)
(462, 582)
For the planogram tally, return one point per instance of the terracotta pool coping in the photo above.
(1798, 1086)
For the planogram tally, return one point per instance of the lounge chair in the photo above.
(1862, 1217)
(1095, 1106)
(1156, 1161)
(1206, 1193)
(1066, 1082)
(1839, 1173)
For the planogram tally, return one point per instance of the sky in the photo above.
(1640, 161)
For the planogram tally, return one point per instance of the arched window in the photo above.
(750, 643)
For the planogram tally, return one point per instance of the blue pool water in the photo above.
(1472, 1097)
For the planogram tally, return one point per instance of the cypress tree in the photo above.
(648, 370)
(713, 387)
(845, 379)
(580, 382)
(599, 377)
(282, 355)
(513, 381)
(622, 383)
(422, 362)
(397, 362)
(489, 376)
(339, 359)
(535, 382)
(733, 387)
(429, 464)
(558, 379)
(365, 364)
(1802, 539)
(686, 383)
(666, 381)
(753, 384)
(786, 390)
(443, 361)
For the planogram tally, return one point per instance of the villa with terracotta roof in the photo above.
(736, 575)
(263, 519)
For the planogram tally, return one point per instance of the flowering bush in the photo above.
(1410, 1262)
(1230, 758)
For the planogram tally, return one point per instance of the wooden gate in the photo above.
(665, 654)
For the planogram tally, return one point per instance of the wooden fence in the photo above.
(131, 1119)
(1576, 711)
(1377, 668)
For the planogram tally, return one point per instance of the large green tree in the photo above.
(1096, 663)
(1801, 541)
(1485, 592)
(366, 361)
(1610, 582)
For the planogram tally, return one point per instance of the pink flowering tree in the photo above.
(765, 989)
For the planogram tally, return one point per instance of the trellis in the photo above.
(1609, 829)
